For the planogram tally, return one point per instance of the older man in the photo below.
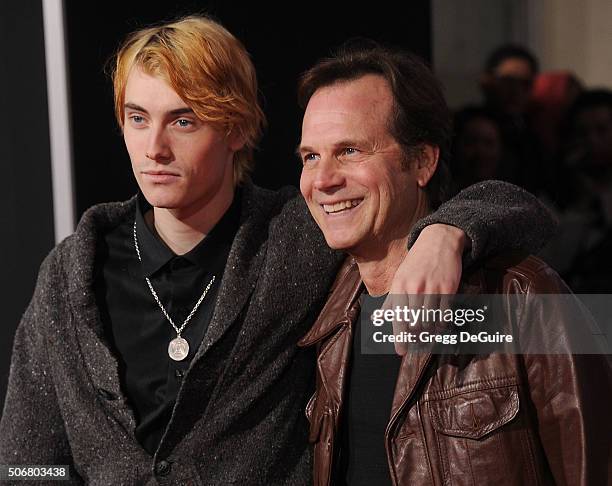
(374, 144)
(160, 344)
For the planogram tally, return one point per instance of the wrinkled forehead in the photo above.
(367, 92)
(362, 104)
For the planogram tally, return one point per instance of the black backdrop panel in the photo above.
(26, 199)
(281, 49)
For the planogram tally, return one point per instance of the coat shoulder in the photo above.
(518, 273)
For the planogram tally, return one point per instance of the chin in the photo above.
(335, 246)
(336, 243)
(165, 201)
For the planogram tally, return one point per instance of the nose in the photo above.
(158, 148)
(328, 175)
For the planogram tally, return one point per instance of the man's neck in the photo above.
(182, 230)
(378, 263)
(377, 270)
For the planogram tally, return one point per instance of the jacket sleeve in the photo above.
(31, 428)
(497, 217)
(571, 393)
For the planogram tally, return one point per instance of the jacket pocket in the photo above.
(480, 437)
(474, 414)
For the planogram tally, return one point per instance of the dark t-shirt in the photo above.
(371, 384)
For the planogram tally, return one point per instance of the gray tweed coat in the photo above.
(238, 418)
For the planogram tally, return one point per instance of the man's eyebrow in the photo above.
(350, 142)
(134, 106)
(181, 111)
(302, 148)
(177, 111)
(341, 144)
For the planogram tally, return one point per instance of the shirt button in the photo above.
(179, 374)
(162, 468)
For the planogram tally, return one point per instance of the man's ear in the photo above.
(427, 163)
(235, 139)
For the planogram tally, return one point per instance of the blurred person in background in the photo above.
(478, 148)
(583, 249)
(510, 71)
(506, 83)
(552, 95)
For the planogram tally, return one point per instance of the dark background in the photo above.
(283, 42)
(26, 201)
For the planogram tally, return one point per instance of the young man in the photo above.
(160, 344)
(375, 137)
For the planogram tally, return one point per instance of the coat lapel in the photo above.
(99, 361)
(337, 311)
(242, 269)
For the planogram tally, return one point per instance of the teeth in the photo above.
(341, 206)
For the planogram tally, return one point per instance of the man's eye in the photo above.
(137, 119)
(309, 158)
(349, 151)
(183, 123)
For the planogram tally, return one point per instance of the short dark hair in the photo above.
(510, 51)
(420, 114)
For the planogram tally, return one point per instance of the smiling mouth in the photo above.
(341, 206)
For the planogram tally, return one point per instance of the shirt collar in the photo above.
(155, 254)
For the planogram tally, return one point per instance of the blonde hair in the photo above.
(208, 68)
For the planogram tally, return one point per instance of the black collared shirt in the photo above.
(135, 325)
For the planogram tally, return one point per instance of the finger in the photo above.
(400, 325)
(414, 305)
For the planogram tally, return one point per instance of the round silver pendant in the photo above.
(178, 349)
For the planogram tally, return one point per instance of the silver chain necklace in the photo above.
(178, 349)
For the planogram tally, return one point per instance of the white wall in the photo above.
(563, 34)
(464, 32)
(576, 35)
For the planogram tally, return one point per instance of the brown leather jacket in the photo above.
(498, 419)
